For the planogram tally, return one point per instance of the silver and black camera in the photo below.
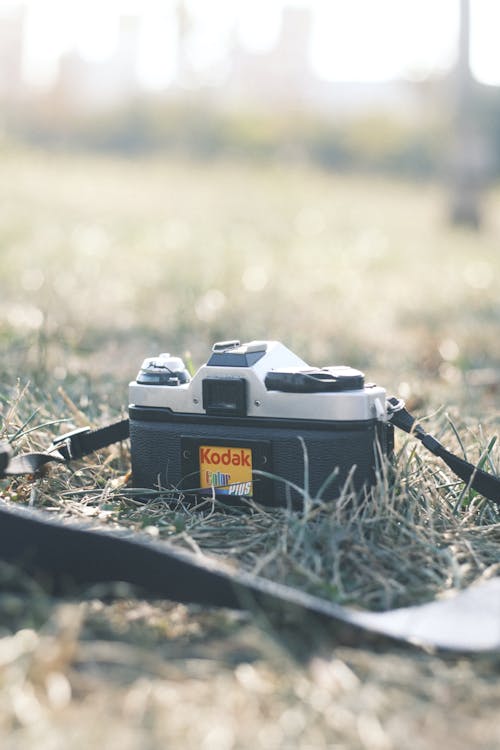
(256, 421)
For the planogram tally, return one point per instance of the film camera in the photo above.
(255, 421)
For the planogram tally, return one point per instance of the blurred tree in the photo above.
(468, 158)
(184, 29)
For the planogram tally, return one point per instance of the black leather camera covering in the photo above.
(156, 436)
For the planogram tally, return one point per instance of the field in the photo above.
(105, 261)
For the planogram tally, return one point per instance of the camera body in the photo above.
(255, 421)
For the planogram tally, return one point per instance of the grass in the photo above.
(105, 261)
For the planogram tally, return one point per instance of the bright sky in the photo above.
(362, 40)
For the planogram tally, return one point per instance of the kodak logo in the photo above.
(225, 456)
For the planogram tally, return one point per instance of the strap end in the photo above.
(69, 445)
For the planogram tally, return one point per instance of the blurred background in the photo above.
(321, 172)
(365, 85)
(178, 171)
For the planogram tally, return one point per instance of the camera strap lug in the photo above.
(394, 404)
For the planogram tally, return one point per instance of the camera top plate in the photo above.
(250, 364)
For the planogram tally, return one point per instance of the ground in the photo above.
(105, 261)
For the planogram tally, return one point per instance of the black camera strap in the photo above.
(67, 552)
(68, 447)
(477, 479)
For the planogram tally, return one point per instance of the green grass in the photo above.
(103, 262)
